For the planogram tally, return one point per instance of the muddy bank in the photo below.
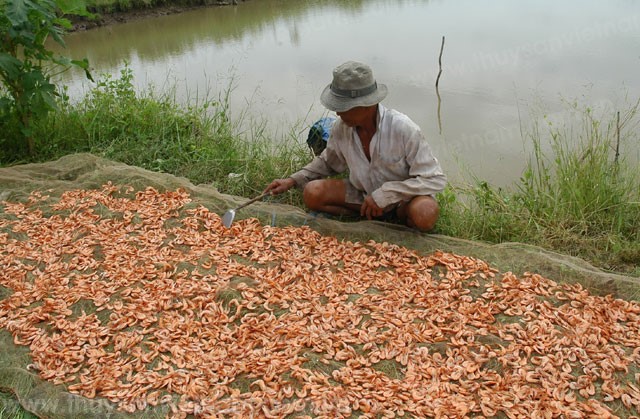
(112, 18)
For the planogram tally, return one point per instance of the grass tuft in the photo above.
(201, 142)
(577, 195)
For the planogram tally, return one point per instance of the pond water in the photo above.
(505, 64)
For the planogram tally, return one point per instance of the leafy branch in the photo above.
(25, 61)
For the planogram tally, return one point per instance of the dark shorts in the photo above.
(356, 196)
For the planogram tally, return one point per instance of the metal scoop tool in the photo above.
(228, 217)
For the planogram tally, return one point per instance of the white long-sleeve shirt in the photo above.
(402, 165)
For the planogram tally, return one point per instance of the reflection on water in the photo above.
(501, 59)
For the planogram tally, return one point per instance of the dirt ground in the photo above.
(105, 19)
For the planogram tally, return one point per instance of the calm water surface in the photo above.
(506, 64)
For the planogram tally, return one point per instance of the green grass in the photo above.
(110, 6)
(11, 409)
(201, 142)
(575, 197)
(579, 198)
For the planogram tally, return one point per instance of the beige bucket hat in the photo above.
(353, 85)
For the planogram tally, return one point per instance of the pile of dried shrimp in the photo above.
(145, 299)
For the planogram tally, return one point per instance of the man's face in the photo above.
(356, 116)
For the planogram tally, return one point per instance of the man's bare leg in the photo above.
(421, 213)
(328, 195)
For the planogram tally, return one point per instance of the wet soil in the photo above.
(105, 19)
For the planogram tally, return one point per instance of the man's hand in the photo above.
(279, 186)
(370, 209)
